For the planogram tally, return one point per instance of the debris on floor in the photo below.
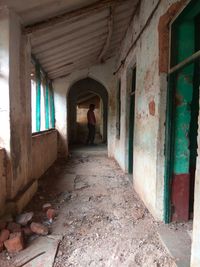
(41, 252)
(17, 234)
(94, 218)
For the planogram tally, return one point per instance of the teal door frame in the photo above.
(131, 122)
(169, 148)
(182, 55)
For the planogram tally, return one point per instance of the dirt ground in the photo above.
(101, 218)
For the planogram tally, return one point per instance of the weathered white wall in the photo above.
(141, 49)
(15, 101)
(4, 79)
(15, 117)
(44, 152)
(102, 73)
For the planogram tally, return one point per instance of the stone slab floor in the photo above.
(101, 219)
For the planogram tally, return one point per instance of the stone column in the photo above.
(15, 102)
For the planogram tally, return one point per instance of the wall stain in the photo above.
(152, 108)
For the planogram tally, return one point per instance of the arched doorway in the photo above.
(81, 94)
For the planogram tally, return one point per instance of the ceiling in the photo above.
(74, 34)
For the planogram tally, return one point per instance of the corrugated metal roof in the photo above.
(71, 35)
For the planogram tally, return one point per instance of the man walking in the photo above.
(91, 124)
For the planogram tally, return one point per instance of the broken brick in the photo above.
(15, 243)
(14, 227)
(39, 229)
(4, 235)
(51, 214)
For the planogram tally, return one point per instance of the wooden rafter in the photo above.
(76, 14)
(109, 36)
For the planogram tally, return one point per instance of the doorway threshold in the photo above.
(177, 240)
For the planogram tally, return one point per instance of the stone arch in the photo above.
(79, 87)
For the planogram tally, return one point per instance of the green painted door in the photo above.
(182, 115)
(131, 123)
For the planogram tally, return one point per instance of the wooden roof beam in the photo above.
(109, 36)
(45, 61)
(72, 58)
(82, 60)
(75, 14)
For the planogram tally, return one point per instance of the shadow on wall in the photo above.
(81, 95)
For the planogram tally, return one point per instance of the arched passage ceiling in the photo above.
(74, 34)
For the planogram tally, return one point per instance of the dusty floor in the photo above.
(102, 221)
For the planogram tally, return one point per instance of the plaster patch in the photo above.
(152, 108)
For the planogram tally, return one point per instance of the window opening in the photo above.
(42, 102)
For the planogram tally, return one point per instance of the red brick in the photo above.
(51, 214)
(39, 229)
(15, 243)
(14, 227)
(4, 235)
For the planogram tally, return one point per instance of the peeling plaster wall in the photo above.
(16, 180)
(102, 73)
(15, 105)
(44, 152)
(141, 48)
(20, 112)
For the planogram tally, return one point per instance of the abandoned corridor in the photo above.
(101, 218)
(138, 62)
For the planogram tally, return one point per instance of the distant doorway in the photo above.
(83, 93)
(131, 121)
(83, 103)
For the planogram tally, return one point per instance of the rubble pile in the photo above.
(15, 233)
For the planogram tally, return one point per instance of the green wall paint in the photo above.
(185, 45)
(183, 99)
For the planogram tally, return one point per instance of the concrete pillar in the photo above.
(60, 100)
(4, 80)
(15, 101)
